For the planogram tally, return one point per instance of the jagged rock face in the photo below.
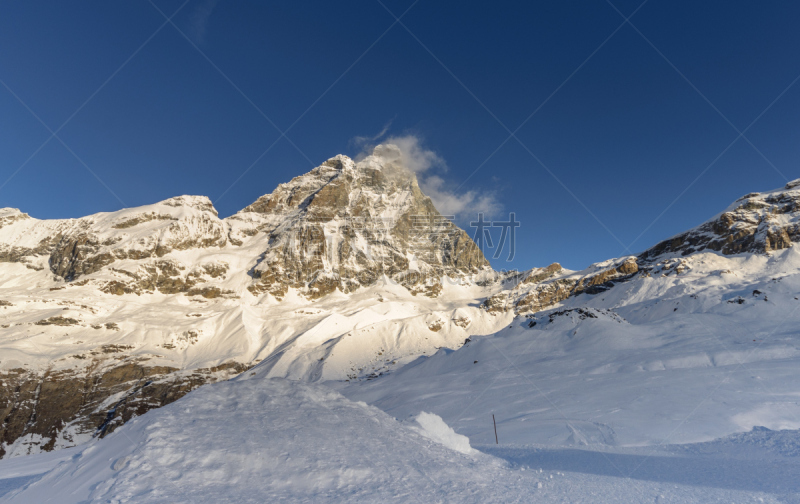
(13, 252)
(344, 225)
(757, 222)
(117, 313)
(88, 247)
(11, 215)
(168, 277)
(76, 248)
(546, 287)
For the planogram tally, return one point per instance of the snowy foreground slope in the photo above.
(272, 440)
(259, 440)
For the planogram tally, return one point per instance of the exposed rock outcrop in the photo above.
(546, 287)
(158, 291)
(756, 223)
(43, 411)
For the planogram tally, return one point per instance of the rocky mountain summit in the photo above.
(345, 224)
(341, 226)
(757, 222)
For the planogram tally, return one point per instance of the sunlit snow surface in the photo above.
(273, 440)
(678, 359)
(261, 440)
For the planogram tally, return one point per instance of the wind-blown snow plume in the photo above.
(360, 142)
(407, 152)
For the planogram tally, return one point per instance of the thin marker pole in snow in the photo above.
(495, 430)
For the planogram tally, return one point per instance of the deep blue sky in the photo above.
(626, 134)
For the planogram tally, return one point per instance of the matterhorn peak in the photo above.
(339, 162)
(346, 224)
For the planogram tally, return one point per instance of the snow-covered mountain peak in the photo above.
(9, 215)
(380, 175)
(72, 248)
(740, 238)
(9, 212)
(346, 272)
(155, 300)
(792, 184)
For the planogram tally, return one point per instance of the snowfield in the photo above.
(676, 359)
(271, 440)
(257, 440)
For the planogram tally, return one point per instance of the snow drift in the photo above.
(266, 440)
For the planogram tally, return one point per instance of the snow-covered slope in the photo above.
(672, 355)
(349, 275)
(265, 440)
(592, 375)
(272, 440)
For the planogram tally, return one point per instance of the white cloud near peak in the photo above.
(407, 152)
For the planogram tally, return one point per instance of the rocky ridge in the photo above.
(757, 223)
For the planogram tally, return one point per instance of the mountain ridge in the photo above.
(135, 308)
(347, 272)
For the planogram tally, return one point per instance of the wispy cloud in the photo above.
(363, 143)
(408, 152)
(462, 205)
(199, 19)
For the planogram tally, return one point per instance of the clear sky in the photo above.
(626, 117)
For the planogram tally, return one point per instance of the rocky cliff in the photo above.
(344, 225)
(756, 222)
